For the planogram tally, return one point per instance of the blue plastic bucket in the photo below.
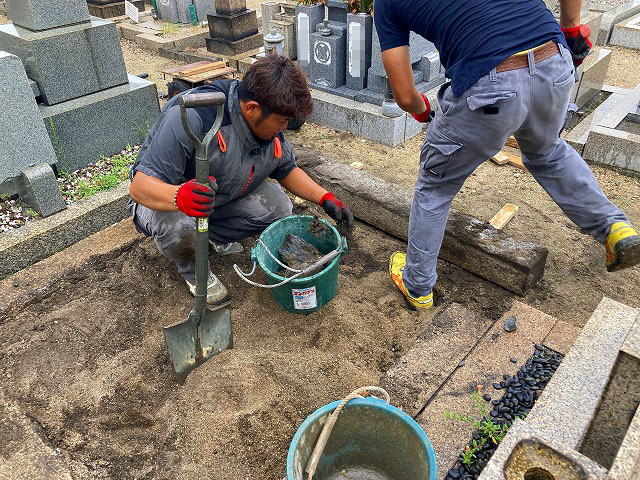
(371, 439)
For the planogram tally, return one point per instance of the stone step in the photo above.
(627, 33)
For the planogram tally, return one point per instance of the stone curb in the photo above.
(46, 236)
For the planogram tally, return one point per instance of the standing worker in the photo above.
(166, 200)
(512, 70)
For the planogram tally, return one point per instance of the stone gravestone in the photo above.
(328, 56)
(307, 19)
(168, 10)
(204, 8)
(26, 152)
(233, 29)
(89, 105)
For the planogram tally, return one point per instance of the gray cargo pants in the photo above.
(530, 103)
(173, 232)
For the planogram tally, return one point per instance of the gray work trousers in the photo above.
(530, 103)
(173, 232)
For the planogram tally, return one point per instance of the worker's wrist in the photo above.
(175, 197)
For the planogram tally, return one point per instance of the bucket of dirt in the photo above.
(370, 440)
(311, 284)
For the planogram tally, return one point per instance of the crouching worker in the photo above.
(165, 200)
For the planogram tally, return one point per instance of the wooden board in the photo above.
(516, 161)
(505, 214)
(211, 75)
(199, 71)
(500, 158)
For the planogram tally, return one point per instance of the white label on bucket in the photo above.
(304, 298)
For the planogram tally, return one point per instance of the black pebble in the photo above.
(497, 386)
(487, 397)
(506, 376)
(513, 360)
(461, 364)
(539, 347)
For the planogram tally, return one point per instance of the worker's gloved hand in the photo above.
(196, 200)
(578, 41)
(427, 115)
(337, 210)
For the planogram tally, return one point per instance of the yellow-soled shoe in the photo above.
(623, 247)
(396, 264)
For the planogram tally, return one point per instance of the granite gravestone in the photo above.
(88, 103)
(26, 152)
(307, 18)
(328, 57)
(204, 8)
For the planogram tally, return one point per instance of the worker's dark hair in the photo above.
(279, 86)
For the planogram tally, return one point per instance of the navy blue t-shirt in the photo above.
(472, 36)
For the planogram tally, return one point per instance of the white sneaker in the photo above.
(216, 291)
(226, 248)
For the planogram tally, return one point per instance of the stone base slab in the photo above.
(238, 47)
(627, 33)
(610, 146)
(612, 17)
(362, 119)
(113, 9)
(102, 123)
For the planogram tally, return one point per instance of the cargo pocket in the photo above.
(437, 152)
(480, 100)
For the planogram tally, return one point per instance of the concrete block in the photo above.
(24, 140)
(611, 17)
(102, 123)
(233, 27)
(358, 118)
(288, 31)
(130, 31)
(195, 40)
(614, 147)
(438, 349)
(627, 33)
(230, 7)
(36, 241)
(627, 462)
(566, 407)
(113, 9)
(152, 42)
(204, 8)
(268, 10)
(43, 15)
(69, 62)
(468, 242)
(484, 365)
(40, 189)
(234, 48)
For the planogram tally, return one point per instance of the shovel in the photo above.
(207, 331)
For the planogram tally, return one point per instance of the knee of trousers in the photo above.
(275, 207)
(169, 228)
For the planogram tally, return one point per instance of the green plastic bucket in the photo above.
(304, 294)
(371, 440)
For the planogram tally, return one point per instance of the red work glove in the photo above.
(578, 41)
(427, 115)
(196, 200)
(337, 210)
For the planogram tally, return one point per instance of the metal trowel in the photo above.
(207, 331)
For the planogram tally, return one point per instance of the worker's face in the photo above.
(265, 128)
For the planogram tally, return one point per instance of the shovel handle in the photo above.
(195, 100)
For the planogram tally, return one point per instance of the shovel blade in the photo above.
(193, 342)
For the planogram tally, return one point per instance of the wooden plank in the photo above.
(500, 158)
(201, 77)
(469, 243)
(203, 67)
(181, 68)
(505, 214)
(512, 142)
(516, 161)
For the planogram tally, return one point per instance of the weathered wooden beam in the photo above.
(468, 242)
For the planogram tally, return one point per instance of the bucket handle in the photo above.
(297, 273)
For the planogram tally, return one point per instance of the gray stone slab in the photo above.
(359, 35)
(288, 31)
(343, 91)
(526, 449)
(617, 114)
(38, 240)
(307, 18)
(566, 407)
(595, 68)
(113, 9)
(468, 242)
(184, 13)
(24, 140)
(268, 9)
(69, 62)
(40, 189)
(168, 10)
(102, 123)
(614, 16)
(35, 88)
(204, 8)
(435, 354)
(627, 33)
(43, 15)
(337, 11)
(230, 7)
